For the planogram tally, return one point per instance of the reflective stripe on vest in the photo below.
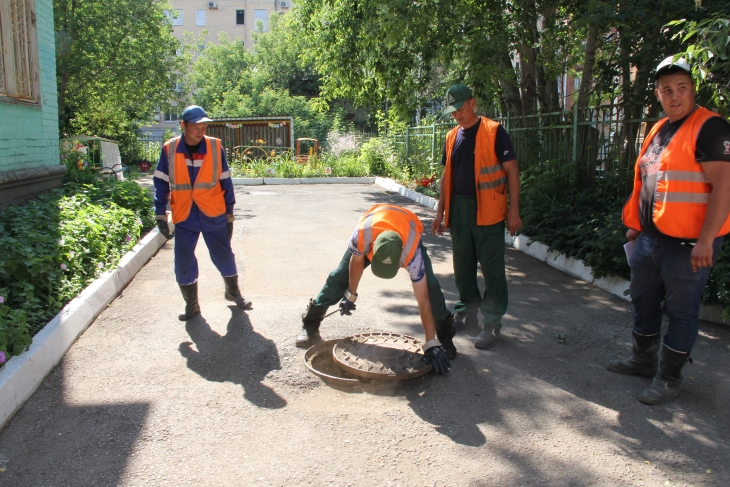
(366, 230)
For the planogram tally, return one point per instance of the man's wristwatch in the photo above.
(350, 296)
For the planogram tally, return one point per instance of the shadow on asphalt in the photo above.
(98, 456)
(241, 356)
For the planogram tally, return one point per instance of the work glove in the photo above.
(346, 307)
(230, 230)
(164, 229)
(437, 357)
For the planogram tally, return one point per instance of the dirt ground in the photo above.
(143, 399)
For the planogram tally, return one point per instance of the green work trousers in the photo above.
(338, 281)
(472, 244)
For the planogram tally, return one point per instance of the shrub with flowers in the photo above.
(52, 247)
(339, 144)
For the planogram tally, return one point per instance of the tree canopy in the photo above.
(115, 61)
(512, 53)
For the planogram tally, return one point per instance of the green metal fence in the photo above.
(599, 140)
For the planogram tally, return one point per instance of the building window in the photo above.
(169, 117)
(200, 17)
(19, 65)
(239, 17)
(576, 83)
(260, 20)
(176, 16)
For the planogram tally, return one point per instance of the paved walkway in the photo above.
(142, 399)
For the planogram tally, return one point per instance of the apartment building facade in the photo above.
(236, 18)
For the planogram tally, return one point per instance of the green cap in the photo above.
(386, 255)
(455, 98)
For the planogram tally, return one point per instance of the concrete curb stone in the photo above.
(615, 285)
(22, 374)
(325, 180)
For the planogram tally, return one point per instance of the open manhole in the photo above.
(319, 360)
(381, 355)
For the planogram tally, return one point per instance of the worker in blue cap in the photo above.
(193, 177)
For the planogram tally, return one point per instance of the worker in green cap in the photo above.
(387, 238)
(480, 172)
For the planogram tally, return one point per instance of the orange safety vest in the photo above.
(206, 192)
(490, 176)
(382, 218)
(682, 189)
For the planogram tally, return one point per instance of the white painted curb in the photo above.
(23, 373)
(325, 180)
(614, 285)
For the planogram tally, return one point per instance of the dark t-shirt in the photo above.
(713, 144)
(462, 157)
(192, 149)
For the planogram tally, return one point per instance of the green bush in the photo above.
(378, 156)
(52, 247)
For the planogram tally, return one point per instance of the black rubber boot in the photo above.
(643, 360)
(445, 332)
(234, 294)
(487, 338)
(311, 320)
(190, 295)
(665, 385)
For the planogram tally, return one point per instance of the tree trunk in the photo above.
(586, 80)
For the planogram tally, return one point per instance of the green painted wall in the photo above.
(29, 134)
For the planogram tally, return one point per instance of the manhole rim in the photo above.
(322, 347)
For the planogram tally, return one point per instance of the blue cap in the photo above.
(195, 114)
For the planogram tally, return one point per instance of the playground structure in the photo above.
(312, 150)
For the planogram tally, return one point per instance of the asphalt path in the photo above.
(143, 399)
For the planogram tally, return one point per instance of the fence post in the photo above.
(575, 133)
(433, 144)
(507, 121)
(408, 140)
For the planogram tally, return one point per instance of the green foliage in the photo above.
(52, 247)
(579, 222)
(115, 62)
(378, 156)
(272, 81)
(708, 51)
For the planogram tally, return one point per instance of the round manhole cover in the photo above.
(382, 355)
(318, 359)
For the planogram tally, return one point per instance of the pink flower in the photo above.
(64, 267)
(2, 299)
(3, 357)
(127, 238)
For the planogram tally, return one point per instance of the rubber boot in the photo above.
(643, 360)
(445, 332)
(234, 294)
(190, 295)
(311, 319)
(665, 385)
(487, 338)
